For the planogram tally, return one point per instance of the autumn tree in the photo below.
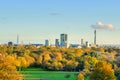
(10, 49)
(102, 71)
(3, 49)
(80, 76)
(40, 59)
(13, 60)
(23, 62)
(7, 70)
(71, 65)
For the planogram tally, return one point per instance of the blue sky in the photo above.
(37, 20)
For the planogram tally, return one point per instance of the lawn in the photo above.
(38, 74)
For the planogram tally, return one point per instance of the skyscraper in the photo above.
(82, 42)
(57, 42)
(47, 43)
(17, 39)
(87, 44)
(94, 37)
(63, 40)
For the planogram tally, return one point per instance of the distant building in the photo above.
(47, 43)
(87, 44)
(95, 37)
(10, 43)
(93, 45)
(64, 40)
(37, 45)
(57, 42)
(17, 39)
(82, 42)
(75, 46)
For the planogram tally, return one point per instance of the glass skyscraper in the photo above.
(63, 40)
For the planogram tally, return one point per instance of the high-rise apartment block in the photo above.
(87, 44)
(57, 42)
(47, 43)
(17, 39)
(82, 42)
(64, 40)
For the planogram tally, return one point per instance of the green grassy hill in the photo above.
(37, 74)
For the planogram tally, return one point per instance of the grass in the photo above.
(38, 74)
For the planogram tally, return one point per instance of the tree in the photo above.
(23, 62)
(71, 65)
(3, 49)
(29, 60)
(117, 73)
(80, 76)
(20, 48)
(46, 56)
(80, 66)
(40, 59)
(78, 52)
(12, 59)
(102, 71)
(10, 49)
(56, 65)
(7, 70)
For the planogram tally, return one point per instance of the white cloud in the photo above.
(100, 25)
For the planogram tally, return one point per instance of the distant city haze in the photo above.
(37, 20)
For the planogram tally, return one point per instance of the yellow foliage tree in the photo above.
(7, 70)
(102, 71)
(23, 62)
(29, 60)
(78, 52)
(40, 59)
(80, 76)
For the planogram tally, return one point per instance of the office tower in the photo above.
(94, 37)
(87, 44)
(64, 40)
(17, 39)
(47, 43)
(57, 42)
(82, 42)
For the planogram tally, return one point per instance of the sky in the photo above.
(37, 20)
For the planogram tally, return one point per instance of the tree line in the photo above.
(96, 63)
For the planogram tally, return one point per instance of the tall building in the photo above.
(94, 37)
(64, 40)
(57, 43)
(47, 43)
(17, 39)
(82, 42)
(87, 44)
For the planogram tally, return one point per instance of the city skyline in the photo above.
(38, 20)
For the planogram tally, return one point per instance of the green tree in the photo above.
(117, 73)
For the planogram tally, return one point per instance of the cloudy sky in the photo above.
(37, 20)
